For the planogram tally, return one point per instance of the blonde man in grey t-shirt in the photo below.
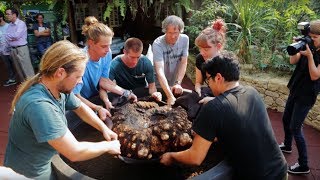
(170, 55)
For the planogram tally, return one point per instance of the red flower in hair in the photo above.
(218, 24)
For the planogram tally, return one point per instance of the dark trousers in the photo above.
(190, 102)
(293, 118)
(9, 65)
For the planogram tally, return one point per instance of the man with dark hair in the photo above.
(43, 34)
(17, 38)
(5, 52)
(38, 126)
(238, 119)
(134, 71)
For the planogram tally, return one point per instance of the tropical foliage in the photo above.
(2, 6)
(148, 7)
(210, 9)
(258, 30)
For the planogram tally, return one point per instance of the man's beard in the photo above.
(64, 90)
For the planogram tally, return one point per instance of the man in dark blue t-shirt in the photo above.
(132, 70)
(238, 119)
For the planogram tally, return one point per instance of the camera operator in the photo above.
(304, 87)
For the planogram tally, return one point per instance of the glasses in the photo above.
(207, 80)
(8, 14)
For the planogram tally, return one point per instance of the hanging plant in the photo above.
(175, 7)
(112, 4)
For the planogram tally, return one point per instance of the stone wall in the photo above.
(274, 92)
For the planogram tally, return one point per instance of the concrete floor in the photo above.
(312, 135)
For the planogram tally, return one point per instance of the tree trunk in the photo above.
(71, 22)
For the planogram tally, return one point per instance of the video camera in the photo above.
(300, 45)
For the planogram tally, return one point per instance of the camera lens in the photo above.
(296, 47)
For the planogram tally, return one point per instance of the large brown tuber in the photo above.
(147, 130)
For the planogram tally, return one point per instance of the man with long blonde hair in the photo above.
(38, 127)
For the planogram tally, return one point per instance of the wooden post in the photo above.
(71, 22)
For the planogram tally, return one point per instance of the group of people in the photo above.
(14, 50)
(75, 85)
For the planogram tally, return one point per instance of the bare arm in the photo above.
(109, 85)
(182, 68)
(46, 32)
(153, 92)
(159, 67)
(104, 97)
(177, 88)
(103, 113)
(87, 102)
(199, 78)
(68, 146)
(295, 58)
(36, 33)
(88, 116)
(199, 81)
(193, 156)
(152, 88)
(314, 70)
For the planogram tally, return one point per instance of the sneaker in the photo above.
(297, 169)
(10, 82)
(285, 149)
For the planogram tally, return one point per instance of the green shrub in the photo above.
(258, 30)
(203, 17)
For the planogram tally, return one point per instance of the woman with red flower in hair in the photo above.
(210, 43)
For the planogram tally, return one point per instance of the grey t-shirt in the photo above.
(38, 118)
(170, 55)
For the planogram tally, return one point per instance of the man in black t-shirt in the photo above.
(238, 119)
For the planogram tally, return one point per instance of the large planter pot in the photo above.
(109, 167)
(64, 171)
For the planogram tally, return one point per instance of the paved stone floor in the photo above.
(312, 135)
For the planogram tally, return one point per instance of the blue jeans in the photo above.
(293, 118)
(43, 46)
(222, 171)
(9, 65)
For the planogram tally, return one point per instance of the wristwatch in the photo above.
(177, 82)
(126, 93)
(98, 108)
